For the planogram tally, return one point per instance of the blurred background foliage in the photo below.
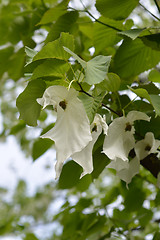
(98, 206)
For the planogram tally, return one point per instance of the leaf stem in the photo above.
(149, 12)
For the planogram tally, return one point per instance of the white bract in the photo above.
(146, 146)
(120, 139)
(71, 132)
(125, 170)
(84, 157)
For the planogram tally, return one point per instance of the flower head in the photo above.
(146, 146)
(120, 139)
(71, 132)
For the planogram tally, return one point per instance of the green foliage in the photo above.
(105, 60)
(116, 9)
(26, 102)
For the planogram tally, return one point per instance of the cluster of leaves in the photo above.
(125, 60)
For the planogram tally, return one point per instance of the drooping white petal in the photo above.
(84, 157)
(118, 164)
(146, 146)
(71, 132)
(128, 173)
(136, 115)
(120, 140)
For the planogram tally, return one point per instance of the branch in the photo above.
(157, 5)
(104, 105)
(96, 20)
(152, 164)
(149, 12)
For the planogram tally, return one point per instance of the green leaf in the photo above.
(91, 104)
(16, 65)
(152, 98)
(104, 36)
(132, 33)
(154, 76)
(65, 23)
(40, 146)
(70, 175)
(55, 49)
(18, 127)
(30, 236)
(112, 82)
(135, 57)
(141, 93)
(95, 69)
(130, 202)
(155, 99)
(145, 216)
(26, 102)
(30, 54)
(152, 41)
(53, 13)
(116, 9)
(5, 54)
(51, 68)
(156, 236)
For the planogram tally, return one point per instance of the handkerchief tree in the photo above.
(90, 79)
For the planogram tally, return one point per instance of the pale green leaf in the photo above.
(142, 93)
(26, 102)
(132, 33)
(154, 76)
(112, 82)
(30, 54)
(95, 69)
(155, 100)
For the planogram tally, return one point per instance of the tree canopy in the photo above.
(86, 76)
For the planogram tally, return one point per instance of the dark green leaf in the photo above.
(65, 23)
(26, 102)
(70, 175)
(152, 41)
(40, 146)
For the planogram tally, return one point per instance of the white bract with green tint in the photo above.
(146, 146)
(120, 139)
(71, 132)
(125, 170)
(84, 157)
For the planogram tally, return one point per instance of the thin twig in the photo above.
(104, 105)
(157, 5)
(96, 20)
(149, 12)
